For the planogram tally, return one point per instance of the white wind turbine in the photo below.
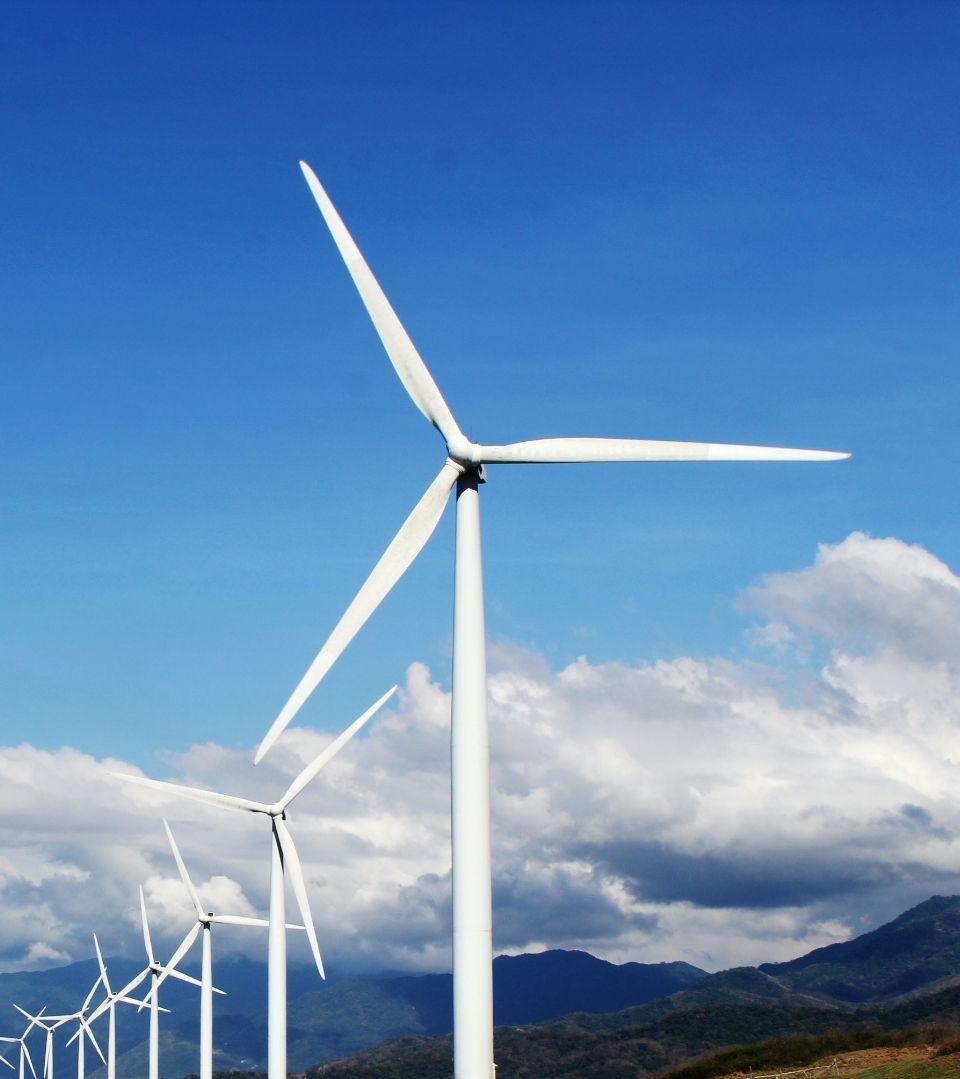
(472, 921)
(157, 973)
(48, 1024)
(84, 1028)
(205, 919)
(284, 860)
(109, 1005)
(24, 1050)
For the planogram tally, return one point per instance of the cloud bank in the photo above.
(717, 811)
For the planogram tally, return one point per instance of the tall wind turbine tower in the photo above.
(469, 751)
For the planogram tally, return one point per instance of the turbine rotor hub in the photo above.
(464, 453)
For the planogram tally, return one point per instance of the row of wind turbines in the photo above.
(463, 468)
(285, 864)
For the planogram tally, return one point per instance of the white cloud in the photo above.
(712, 811)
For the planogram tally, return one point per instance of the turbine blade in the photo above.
(394, 562)
(85, 1027)
(292, 868)
(227, 801)
(193, 981)
(146, 928)
(103, 969)
(89, 996)
(412, 371)
(332, 750)
(562, 450)
(125, 992)
(7, 1062)
(26, 1053)
(184, 875)
(238, 919)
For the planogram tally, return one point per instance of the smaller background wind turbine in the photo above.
(84, 1028)
(284, 860)
(24, 1050)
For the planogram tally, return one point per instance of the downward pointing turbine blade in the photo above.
(333, 749)
(406, 361)
(291, 862)
(180, 976)
(184, 876)
(396, 559)
(29, 1059)
(85, 1028)
(227, 801)
(572, 450)
(146, 928)
(4, 1060)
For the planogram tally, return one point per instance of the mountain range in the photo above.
(552, 1008)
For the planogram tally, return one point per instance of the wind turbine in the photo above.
(205, 919)
(284, 861)
(24, 1051)
(83, 1027)
(48, 1024)
(157, 973)
(470, 765)
(109, 1005)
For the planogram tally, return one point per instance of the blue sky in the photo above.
(728, 222)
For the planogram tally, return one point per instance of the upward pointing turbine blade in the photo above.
(184, 876)
(293, 869)
(103, 969)
(332, 750)
(406, 361)
(148, 946)
(573, 450)
(394, 562)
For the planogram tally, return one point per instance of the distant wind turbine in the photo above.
(470, 765)
(205, 919)
(84, 1028)
(157, 973)
(109, 1005)
(24, 1050)
(284, 861)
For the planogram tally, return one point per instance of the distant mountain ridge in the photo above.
(568, 1004)
(903, 974)
(330, 1020)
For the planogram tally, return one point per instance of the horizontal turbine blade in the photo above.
(413, 373)
(394, 562)
(180, 976)
(239, 919)
(332, 750)
(293, 869)
(576, 450)
(225, 801)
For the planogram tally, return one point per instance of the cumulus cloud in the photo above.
(709, 810)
